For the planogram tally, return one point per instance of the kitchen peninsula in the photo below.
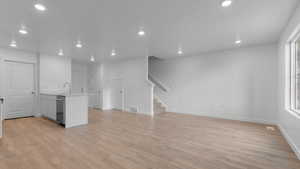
(69, 110)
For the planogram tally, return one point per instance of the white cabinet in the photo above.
(48, 106)
(76, 110)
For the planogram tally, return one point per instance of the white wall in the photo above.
(79, 77)
(95, 77)
(55, 71)
(137, 89)
(236, 84)
(289, 122)
(95, 85)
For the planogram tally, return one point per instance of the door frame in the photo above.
(34, 62)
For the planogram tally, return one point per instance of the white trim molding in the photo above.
(290, 141)
(229, 116)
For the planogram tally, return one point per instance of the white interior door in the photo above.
(19, 89)
(117, 94)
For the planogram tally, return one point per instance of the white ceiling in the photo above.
(102, 25)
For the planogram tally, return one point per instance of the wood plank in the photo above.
(120, 140)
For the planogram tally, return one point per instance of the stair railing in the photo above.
(158, 83)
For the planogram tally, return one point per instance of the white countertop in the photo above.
(53, 94)
(59, 92)
(78, 94)
(64, 94)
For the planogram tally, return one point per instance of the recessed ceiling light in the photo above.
(113, 53)
(92, 59)
(180, 52)
(226, 3)
(78, 44)
(23, 30)
(40, 7)
(238, 42)
(13, 44)
(60, 52)
(141, 32)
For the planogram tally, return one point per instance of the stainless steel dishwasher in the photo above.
(60, 109)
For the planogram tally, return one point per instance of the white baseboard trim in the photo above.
(290, 141)
(38, 115)
(266, 122)
(231, 117)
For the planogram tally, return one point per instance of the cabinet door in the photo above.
(48, 107)
(52, 109)
(43, 107)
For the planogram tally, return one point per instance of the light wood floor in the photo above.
(118, 140)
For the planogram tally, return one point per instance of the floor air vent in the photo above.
(133, 109)
(270, 128)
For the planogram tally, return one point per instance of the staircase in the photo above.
(158, 106)
(160, 89)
